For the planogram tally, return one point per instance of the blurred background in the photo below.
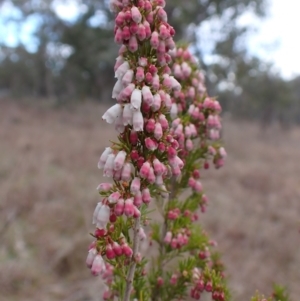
(56, 77)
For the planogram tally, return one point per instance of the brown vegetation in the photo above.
(48, 180)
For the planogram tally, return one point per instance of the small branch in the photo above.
(130, 275)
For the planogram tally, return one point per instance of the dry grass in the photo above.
(48, 176)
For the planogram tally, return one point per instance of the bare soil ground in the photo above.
(48, 180)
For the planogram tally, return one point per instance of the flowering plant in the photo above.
(169, 129)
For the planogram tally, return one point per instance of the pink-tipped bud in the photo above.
(119, 36)
(158, 131)
(136, 15)
(155, 82)
(142, 234)
(141, 33)
(133, 44)
(148, 77)
(151, 176)
(140, 74)
(154, 41)
(90, 258)
(119, 160)
(98, 265)
(126, 172)
(161, 147)
(159, 167)
(126, 34)
(150, 125)
(135, 185)
(168, 238)
(128, 77)
(129, 208)
(127, 251)
(117, 249)
(108, 169)
(109, 252)
(151, 144)
(138, 199)
(120, 18)
(144, 171)
(146, 196)
(113, 198)
(156, 103)
(138, 121)
(160, 281)
(133, 138)
(119, 208)
(173, 280)
(189, 144)
(104, 187)
(147, 95)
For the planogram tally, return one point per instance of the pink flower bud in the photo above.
(119, 160)
(159, 167)
(104, 157)
(156, 103)
(191, 182)
(164, 32)
(144, 171)
(138, 199)
(119, 36)
(151, 176)
(147, 95)
(108, 169)
(150, 17)
(208, 286)
(129, 208)
(120, 72)
(146, 196)
(133, 44)
(120, 18)
(161, 49)
(90, 258)
(109, 252)
(133, 138)
(189, 144)
(171, 152)
(141, 33)
(147, 29)
(128, 77)
(119, 208)
(126, 93)
(150, 125)
(112, 113)
(119, 62)
(138, 121)
(170, 44)
(137, 212)
(117, 249)
(98, 265)
(134, 27)
(113, 198)
(136, 99)
(174, 111)
(155, 82)
(117, 175)
(135, 185)
(148, 77)
(173, 280)
(126, 172)
(168, 238)
(134, 155)
(142, 234)
(158, 131)
(140, 75)
(126, 34)
(151, 144)
(161, 147)
(127, 251)
(222, 152)
(104, 187)
(154, 41)
(136, 15)
(148, 6)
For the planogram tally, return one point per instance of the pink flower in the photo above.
(142, 234)
(138, 199)
(127, 251)
(104, 187)
(126, 172)
(127, 115)
(141, 33)
(113, 198)
(156, 103)
(119, 125)
(112, 113)
(119, 208)
(98, 265)
(118, 87)
(159, 167)
(133, 44)
(189, 144)
(158, 131)
(109, 252)
(126, 93)
(138, 121)
(151, 176)
(174, 111)
(129, 207)
(136, 15)
(146, 196)
(90, 258)
(168, 237)
(128, 77)
(120, 72)
(136, 99)
(104, 157)
(151, 144)
(117, 249)
(147, 95)
(101, 215)
(144, 171)
(119, 160)
(135, 185)
(154, 41)
(108, 170)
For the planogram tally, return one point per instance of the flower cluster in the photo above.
(146, 154)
